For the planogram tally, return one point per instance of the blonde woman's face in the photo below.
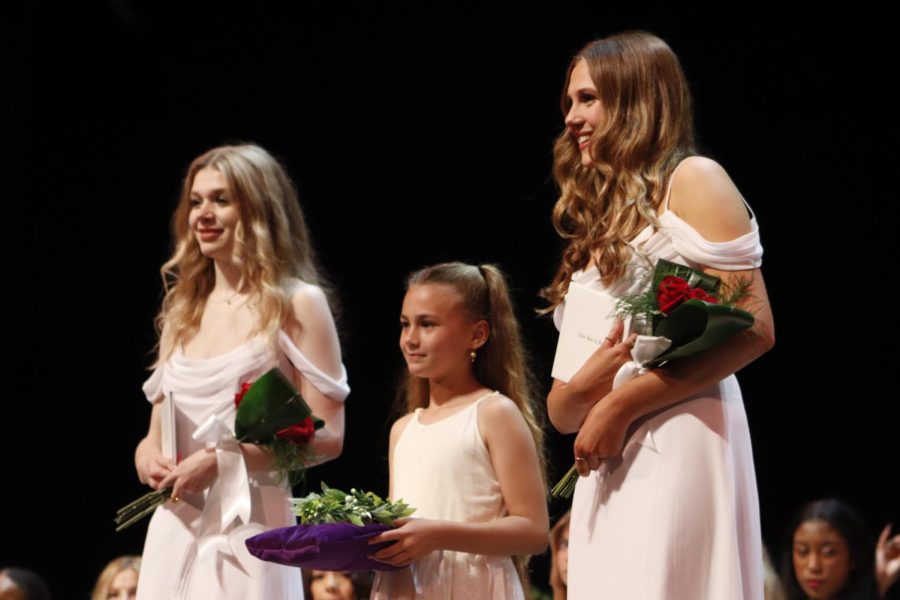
(214, 214)
(123, 586)
(586, 113)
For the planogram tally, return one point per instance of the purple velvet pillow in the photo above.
(329, 547)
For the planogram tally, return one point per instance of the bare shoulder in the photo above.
(308, 302)
(498, 406)
(312, 327)
(705, 197)
(499, 413)
(399, 426)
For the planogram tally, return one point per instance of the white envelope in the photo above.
(589, 315)
(167, 426)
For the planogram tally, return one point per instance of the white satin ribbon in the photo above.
(229, 497)
(645, 349)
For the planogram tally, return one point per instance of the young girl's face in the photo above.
(821, 559)
(436, 338)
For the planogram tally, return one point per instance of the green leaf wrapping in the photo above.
(697, 325)
(271, 404)
(704, 281)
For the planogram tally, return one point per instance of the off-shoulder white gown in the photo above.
(191, 552)
(676, 516)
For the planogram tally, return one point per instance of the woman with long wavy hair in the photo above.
(666, 505)
(243, 295)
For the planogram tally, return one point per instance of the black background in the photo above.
(418, 133)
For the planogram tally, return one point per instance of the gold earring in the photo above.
(473, 355)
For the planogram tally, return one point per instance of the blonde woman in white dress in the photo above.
(242, 295)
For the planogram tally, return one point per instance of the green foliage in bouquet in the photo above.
(359, 508)
(703, 315)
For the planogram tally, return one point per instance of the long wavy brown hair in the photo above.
(648, 130)
(501, 364)
(272, 244)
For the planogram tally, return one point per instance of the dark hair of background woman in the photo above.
(860, 546)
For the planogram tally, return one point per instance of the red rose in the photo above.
(675, 290)
(672, 291)
(240, 394)
(299, 433)
(698, 294)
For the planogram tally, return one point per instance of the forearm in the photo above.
(329, 440)
(258, 457)
(325, 445)
(507, 536)
(148, 447)
(569, 403)
(679, 380)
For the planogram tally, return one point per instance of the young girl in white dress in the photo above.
(666, 506)
(468, 456)
(242, 296)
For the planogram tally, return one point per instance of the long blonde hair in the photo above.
(115, 566)
(272, 243)
(648, 130)
(501, 364)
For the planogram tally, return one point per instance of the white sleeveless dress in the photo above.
(676, 515)
(444, 470)
(191, 552)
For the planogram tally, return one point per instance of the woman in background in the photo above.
(118, 580)
(828, 555)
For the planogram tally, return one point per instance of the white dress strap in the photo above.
(669, 191)
(669, 184)
(336, 389)
(488, 395)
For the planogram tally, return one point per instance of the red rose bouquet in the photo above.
(686, 311)
(270, 412)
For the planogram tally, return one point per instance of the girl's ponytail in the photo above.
(503, 362)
